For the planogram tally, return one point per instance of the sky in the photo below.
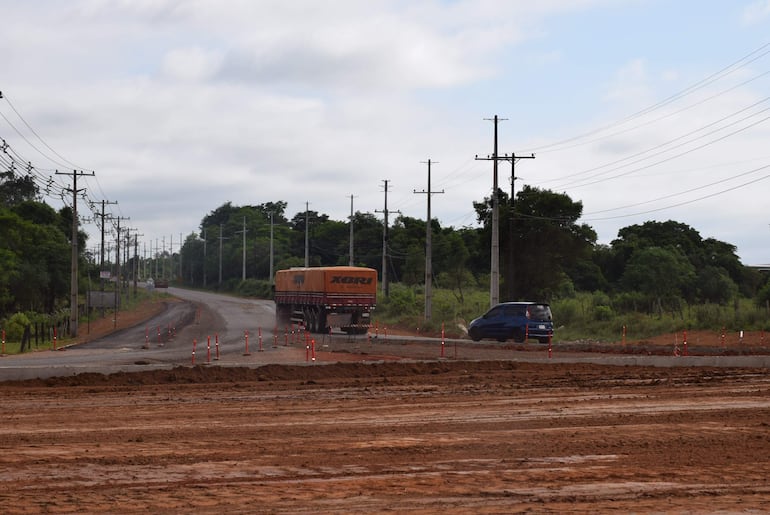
(641, 110)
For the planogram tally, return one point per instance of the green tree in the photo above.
(663, 274)
(36, 261)
(546, 239)
(714, 284)
(15, 189)
(702, 255)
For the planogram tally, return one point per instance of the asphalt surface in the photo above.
(216, 327)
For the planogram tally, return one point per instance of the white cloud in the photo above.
(630, 83)
(191, 64)
(183, 105)
(756, 12)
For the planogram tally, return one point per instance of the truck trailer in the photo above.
(326, 297)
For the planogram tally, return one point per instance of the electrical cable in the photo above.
(736, 65)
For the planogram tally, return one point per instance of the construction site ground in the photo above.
(364, 432)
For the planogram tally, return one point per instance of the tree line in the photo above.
(545, 253)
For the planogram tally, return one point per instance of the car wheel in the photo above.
(518, 336)
(474, 334)
(543, 340)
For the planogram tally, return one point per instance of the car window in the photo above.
(540, 312)
(494, 312)
(515, 311)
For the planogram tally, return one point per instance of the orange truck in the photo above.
(326, 297)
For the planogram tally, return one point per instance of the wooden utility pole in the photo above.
(494, 275)
(428, 251)
(351, 261)
(136, 263)
(103, 219)
(243, 271)
(118, 278)
(307, 235)
(75, 254)
(221, 239)
(271, 249)
(384, 274)
(509, 272)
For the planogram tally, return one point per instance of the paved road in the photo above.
(208, 318)
(163, 342)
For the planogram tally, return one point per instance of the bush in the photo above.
(566, 312)
(255, 288)
(14, 329)
(603, 313)
(402, 302)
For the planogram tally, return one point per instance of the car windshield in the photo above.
(539, 312)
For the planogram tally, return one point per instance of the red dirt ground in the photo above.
(404, 436)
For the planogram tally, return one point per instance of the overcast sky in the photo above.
(640, 109)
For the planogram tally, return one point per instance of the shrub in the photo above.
(255, 288)
(14, 329)
(603, 313)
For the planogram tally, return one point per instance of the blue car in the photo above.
(514, 320)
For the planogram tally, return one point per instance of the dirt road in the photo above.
(419, 437)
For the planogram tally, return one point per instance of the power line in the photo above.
(684, 203)
(727, 70)
(672, 195)
(668, 143)
(70, 163)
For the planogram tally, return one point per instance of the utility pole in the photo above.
(428, 252)
(163, 255)
(221, 238)
(243, 272)
(103, 219)
(157, 258)
(384, 273)
(271, 248)
(494, 276)
(136, 263)
(74, 267)
(204, 258)
(127, 259)
(118, 278)
(509, 276)
(351, 260)
(307, 235)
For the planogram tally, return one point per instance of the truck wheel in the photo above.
(314, 320)
(322, 326)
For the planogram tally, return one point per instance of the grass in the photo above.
(582, 316)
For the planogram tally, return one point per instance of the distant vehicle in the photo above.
(161, 283)
(323, 297)
(514, 320)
